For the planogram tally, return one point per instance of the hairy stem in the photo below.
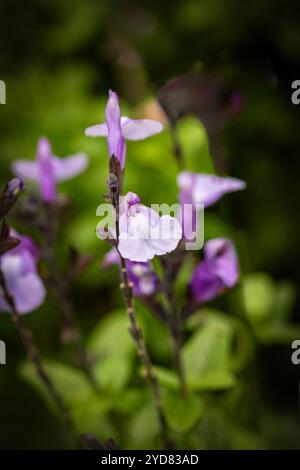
(136, 332)
(173, 321)
(33, 354)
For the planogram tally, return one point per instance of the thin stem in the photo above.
(136, 332)
(71, 332)
(33, 354)
(173, 321)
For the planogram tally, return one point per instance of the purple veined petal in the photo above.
(139, 129)
(115, 139)
(69, 167)
(26, 169)
(98, 130)
(207, 189)
(221, 253)
(46, 170)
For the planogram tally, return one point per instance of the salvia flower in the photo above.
(142, 276)
(117, 129)
(217, 272)
(201, 188)
(48, 169)
(144, 233)
(21, 277)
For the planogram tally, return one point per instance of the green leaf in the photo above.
(194, 142)
(113, 349)
(182, 413)
(285, 296)
(144, 426)
(167, 378)
(70, 382)
(207, 354)
(258, 290)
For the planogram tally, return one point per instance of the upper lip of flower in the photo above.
(116, 129)
(60, 169)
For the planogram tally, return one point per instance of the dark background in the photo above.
(59, 58)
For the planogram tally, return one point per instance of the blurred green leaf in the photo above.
(70, 382)
(268, 306)
(167, 378)
(182, 413)
(206, 356)
(194, 142)
(258, 290)
(112, 348)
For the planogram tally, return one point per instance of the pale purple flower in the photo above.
(142, 276)
(217, 272)
(143, 233)
(117, 129)
(200, 188)
(48, 169)
(21, 277)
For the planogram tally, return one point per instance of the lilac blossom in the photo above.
(19, 270)
(200, 188)
(142, 276)
(143, 233)
(217, 272)
(48, 169)
(117, 129)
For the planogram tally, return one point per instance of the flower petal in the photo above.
(139, 129)
(28, 292)
(207, 189)
(205, 285)
(166, 235)
(69, 167)
(26, 169)
(115, 139)
(98, 130)
(221, 252)
(46, 171)
(22, 280)
(141, 240)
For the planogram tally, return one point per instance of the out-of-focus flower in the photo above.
(200, 188)
(21, 277)
(143, 233)
(9, 195)
(117, 129)
(48, 169)
(217, 272)
(142, 276)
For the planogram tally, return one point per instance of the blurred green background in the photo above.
(58, 60)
